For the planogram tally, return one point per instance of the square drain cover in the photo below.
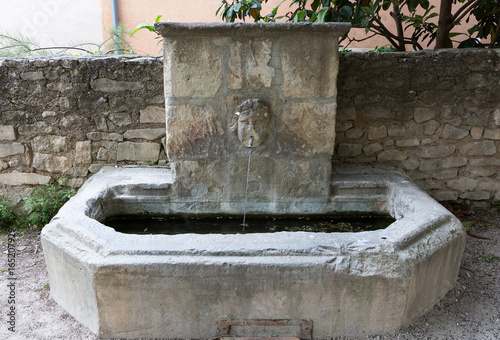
(264, 329)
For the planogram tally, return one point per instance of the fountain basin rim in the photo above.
(254, 29)
(74, 221)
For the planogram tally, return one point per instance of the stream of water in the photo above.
(250, 143)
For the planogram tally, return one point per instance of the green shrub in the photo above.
(45, 202)
(7, 214)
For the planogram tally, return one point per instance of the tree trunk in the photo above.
(396, 15)
(444, 24)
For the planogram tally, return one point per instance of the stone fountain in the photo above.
(271, 87)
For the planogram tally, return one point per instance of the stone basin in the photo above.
(180, 286)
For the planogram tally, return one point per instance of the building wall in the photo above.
(435, 115)
(53, 22)
(132, 13)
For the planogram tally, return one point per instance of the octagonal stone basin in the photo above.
(179, 286)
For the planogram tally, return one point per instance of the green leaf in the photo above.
(345, 11)
(315, 5)
(468, 43)
(157, 19)
(367, 10)
(322, 14)
(299, 16)
(141, 26)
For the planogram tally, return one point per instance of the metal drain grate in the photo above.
(264, 330)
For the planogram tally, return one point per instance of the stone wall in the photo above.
(434, 114)
(69, 116)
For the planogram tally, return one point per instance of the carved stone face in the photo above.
(253, 121)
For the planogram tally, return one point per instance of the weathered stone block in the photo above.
(430, 127)
(377, 132)
(462, 184)
(408, 142)
(496, 116)
(102, 154)
(74, 120)
(193, 132)
(235, 68)
(94, 168)
(375, 112)
(483, 148)
(488, 184)
(141, 152)
(51, 163)
(152, 114)
(81, 171)
(75, 182)
(149, 134)
(410, 164)
(105, 136)
(490, 161)
(343, 126)
(306, 129)
(49, 143)
(492, 134)
(100, 123)
(120, 118)
(36, 75)
(127, 103)
(197, 71)
(436, 151)
(391, 155)
(476, 132)
(47, 114)
(372, 149)
(22, 178)
(349, 150)
(113, 86)
(7, 132)
(11, 149)
(445, 195)
(422, 114)
(451, 132)
(436, 96)
(258, 72)
(476, 195)
(36, 128)
(481, 172)
(304, 76)
(396, 130)
(441, 174)
(83, 153)
(354, 133)
(475, 116)
(477, 80)
(347, 114)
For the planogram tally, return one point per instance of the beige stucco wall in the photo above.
(53, 22)
(132, 13)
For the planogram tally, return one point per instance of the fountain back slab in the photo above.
(227, 82)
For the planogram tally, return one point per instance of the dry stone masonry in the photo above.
(436, 115)
(69, 116)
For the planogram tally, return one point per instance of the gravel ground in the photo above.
(470, 311)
